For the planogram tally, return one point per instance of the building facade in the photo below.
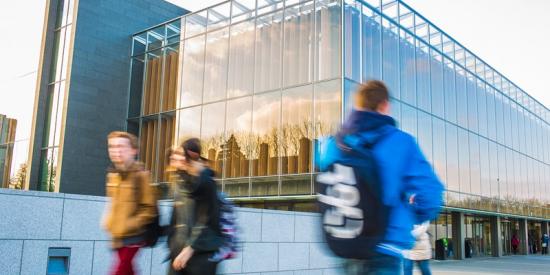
(261, 81)
(8, 127)
(81, 92)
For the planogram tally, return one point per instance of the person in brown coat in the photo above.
(133, 201)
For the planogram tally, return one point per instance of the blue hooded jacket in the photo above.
(404, 172)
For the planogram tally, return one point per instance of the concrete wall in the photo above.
(273, 242)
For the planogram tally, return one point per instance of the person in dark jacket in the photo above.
(411, 190)
(544, 244)
(194, 235)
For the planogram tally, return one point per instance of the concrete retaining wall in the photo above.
(274, 242)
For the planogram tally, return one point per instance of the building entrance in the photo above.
(534, 236)
(478, 236)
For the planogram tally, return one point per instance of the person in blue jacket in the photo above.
(410, 189)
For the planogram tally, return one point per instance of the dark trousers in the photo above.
(197, 265)
(377, 265)
(124, 264)
(545, 250)
(424, 266)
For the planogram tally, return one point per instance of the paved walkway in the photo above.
(528, 265)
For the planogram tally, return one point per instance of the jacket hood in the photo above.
(365, 128)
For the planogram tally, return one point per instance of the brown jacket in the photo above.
(133, 203)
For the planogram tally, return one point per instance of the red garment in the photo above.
(124, 265)
(515, 241)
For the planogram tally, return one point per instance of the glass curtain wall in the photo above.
(261, 81)
(56, 95)
(487, 140)
(257, 81)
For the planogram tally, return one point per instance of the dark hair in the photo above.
(120, 134)
(371, 94)
(191, 145)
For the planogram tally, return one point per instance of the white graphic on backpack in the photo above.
(344, 220)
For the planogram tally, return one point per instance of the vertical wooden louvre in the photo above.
(158, 123)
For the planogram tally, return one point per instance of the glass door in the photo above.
(506, 237)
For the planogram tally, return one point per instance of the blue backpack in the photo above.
(228, 226)
(354, 219)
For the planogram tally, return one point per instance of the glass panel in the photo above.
(350, 87)
(493, 170)
(407, 68)
(51, 112)
(192, 71)
(436, 78)
(238, 187)
(195, 24)
(149, 147)
(328, 42)
(475, 184)
(67, 9)
(371, 44)
(297, 130)
(502, 173)
(352, 43)
(423, 76)
(461, 99)
(408, 119)
(439, 155)
(173, 30)
(296, 184)
(453, 181)
(425, 134)
(189, 123)
(449, 91)
(167, 138)
(464, 160)
(508, 127)
(264, 186)
(499, 118)
(241, 60)
(491, 120)
(484, 167)
(155, 38)
(218, 16)
(139, 44)
(136, 86)
(53, 159)
(390, 41)
(243, 9)
(215, 73)
(57, 58)
(59, 117)
(170, 75)
(153, 80)
(265, 130)
(46, 177)
(238, 141)
(212, 135)
(327, 108)
(298, 48)
(265, 6)
(472, 103)
(268, 52)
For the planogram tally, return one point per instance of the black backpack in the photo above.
(354, 219)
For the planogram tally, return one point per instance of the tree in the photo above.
(18, 180)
